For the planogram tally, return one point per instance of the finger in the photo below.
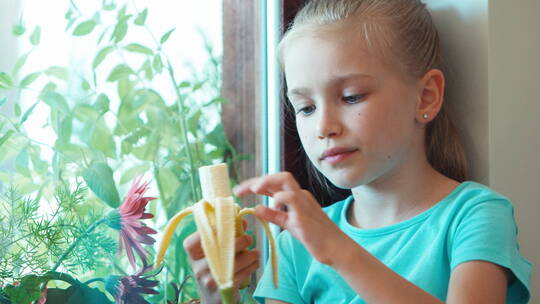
(287, 200)
(267, 185)
(208, 283)
(242, 242)
(200, 269)
(245, 273)
(270, 215)
(192, 245)
(245, 259)
(251, 186)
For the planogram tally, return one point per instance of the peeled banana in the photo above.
(219, 222)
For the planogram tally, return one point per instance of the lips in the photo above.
(336, 152)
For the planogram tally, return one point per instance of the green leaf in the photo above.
(27, 291)
(17, 109)
(109, 5)
(27, 113)
(166, 36)
(133, 172)
(147, 68)
(18, 29)
(21, 163)
(77, 294)
(122, 13)
(197, 86)
(141, 17)
(102, 140)
(65, 130)
(20, 63)
(120, 30)
(85, 85)
(58, 72)
(101, 55)
(102, 103)
(184, 84)
(3, 101)
(39, 165)
(157, 63)
(26, 81)
(35, 38)
(5, 81)
(6, 136)
(168, 180)
(99, 178)
(119, 72)
(86, 113)
(138, 48)
(126, 148)
(84, 28)
(125, 87)
(55, 101)
(217, 137)
(193, 121)
(49, 87)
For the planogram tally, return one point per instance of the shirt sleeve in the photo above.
(287, 290)
(487, 231)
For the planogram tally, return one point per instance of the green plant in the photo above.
(111, 124)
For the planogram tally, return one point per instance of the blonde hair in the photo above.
(403, 32)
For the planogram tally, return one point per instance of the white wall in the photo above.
(514, 112)
(493, 49)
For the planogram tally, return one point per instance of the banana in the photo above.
(219, 222)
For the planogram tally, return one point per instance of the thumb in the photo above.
(270, 215)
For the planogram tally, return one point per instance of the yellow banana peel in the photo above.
(219, 222)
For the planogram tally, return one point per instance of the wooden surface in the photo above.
(241, 82)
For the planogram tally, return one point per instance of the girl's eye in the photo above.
(353, 98)
(307, 110)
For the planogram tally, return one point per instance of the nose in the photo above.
(329, 124)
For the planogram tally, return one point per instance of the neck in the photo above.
(398, 195)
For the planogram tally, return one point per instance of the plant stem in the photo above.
(183, 126)
(94, 280)
(68, 251)
(53, 275)
(227, 296)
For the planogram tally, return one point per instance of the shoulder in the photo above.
(471, 198)
(475, 192)
(483, 228)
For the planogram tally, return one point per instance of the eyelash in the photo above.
(303, 110)
(351, 99)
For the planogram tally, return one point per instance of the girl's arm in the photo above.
(471, 282)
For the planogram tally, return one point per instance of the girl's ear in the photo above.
(431, 96)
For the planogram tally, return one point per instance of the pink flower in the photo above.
(134, 233)
(43, 298)
(130, 289)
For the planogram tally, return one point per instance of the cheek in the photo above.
(383, 128)
(308, 138)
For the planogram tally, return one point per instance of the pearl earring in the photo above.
(425, 116)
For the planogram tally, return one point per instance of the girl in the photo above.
(364, 78)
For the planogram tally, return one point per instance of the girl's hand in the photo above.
(297, 211)
(245, 263)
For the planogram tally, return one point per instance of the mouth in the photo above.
(336, 155)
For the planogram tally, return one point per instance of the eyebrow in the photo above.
(337, 80)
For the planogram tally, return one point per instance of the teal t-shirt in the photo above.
(472, 223)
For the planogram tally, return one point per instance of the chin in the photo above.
(343, 182)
